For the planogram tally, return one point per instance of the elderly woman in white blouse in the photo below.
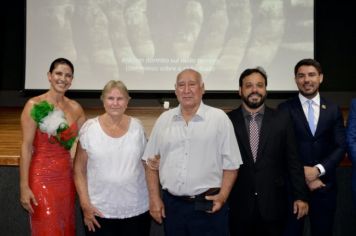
(108, 171)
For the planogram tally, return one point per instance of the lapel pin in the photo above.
(323, 106)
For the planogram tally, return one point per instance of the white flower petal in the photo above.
(52, 122)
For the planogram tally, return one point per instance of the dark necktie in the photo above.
(254, 139)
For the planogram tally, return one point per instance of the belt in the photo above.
(210, 191)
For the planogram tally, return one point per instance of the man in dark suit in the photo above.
(320, 132)
(351, 144)
(258, 201)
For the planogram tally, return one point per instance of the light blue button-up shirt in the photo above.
(194, 154)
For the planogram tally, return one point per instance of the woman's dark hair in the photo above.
(59, 61)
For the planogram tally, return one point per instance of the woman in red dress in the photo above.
(50, 123)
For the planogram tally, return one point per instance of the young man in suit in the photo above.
(258, 201)
(320, 133)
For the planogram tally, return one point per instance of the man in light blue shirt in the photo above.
(199, 157)
(321, 140)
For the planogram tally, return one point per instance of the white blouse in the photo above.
(115, 173)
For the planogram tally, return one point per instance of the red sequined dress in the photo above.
(51, 181)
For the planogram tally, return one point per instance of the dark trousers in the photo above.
(182, 219)
(321, 215)
(353, 182)
(134, 226)
(255, 225)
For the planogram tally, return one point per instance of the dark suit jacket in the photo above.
(277, 161)
(327, 147)
(351, 132)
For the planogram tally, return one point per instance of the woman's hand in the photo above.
(153, 163)
(27, 199)
(90, 221)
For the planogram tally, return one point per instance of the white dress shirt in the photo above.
(194, 154)
(315, 104)
(115, 173)
(316, 107)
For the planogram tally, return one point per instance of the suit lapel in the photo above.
(322, 116)
(241, 131)
(300, 116)
(263, 137)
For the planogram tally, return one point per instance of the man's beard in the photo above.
(254, 104)
(310, 94)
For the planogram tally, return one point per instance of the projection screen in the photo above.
(145, 43)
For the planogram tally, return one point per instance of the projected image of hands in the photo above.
(137, 40)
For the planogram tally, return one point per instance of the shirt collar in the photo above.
(303, 100)
(247, 113)
(200, 114)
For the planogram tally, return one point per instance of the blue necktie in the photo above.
(311, 116)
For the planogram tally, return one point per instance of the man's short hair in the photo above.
(198, 75)
(308, 62)
(250, 71)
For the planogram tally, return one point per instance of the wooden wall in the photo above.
(10, 129)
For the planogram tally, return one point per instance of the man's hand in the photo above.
(218, 201)
(228, 180)
(300, 208)
(156, 204)
(311, 173)
(157, 209)
(316, 184)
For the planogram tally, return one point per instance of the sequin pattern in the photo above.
(51, 180)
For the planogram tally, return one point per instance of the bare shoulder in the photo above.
(30, 103)
(77, 111)
(27, 122)
(75, 106)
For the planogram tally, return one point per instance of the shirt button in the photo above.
(256, 193)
